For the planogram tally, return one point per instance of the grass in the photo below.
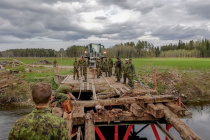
(178, 63)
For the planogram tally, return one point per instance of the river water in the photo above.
(199, 122)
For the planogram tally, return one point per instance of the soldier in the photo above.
(110, 66)
(54, 63)
(118, 67)
(40, 124)
(84, 67)
(63, 93)
(76, 67)
(131, 73)
(106, 67)
(80, 63)
(125, 70)
(98, 67)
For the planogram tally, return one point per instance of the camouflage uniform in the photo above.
(61, 94)
(80, 62)
(40, 124)
(98, 67)
(76, 67)
(118, 67)
(125, 71)
(131, 72)
(54, 63)
(106, 67)
(110, 66)
(84, 65)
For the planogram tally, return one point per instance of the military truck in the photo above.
(93, 52)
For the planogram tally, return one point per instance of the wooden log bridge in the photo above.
(104, 102)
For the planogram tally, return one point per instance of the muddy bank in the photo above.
(192, 86)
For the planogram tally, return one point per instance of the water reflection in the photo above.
(199, 122)
(8, 115)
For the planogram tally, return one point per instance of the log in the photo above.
(155, 111)
(93, 90)
(122, 101)
(136, 110)
(89, 127)
(107, 95)
(143, 92)
(78, 115)
(185, 132)
(69, 125)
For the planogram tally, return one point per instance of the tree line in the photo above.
(140, 49)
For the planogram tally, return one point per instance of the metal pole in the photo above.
(155, 132)
(99, 133)
(155, 82)
(116, 132)
(128, 132)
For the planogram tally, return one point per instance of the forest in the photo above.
(141, 49)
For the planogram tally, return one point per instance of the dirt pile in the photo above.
(13, 89)
(43, 62)
(192, 86)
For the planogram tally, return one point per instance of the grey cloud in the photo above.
(180, 32)
(144, 6)
(101, 18)
(201, 8)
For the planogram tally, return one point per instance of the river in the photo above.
(199, 122)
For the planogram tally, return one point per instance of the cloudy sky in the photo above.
(59, 24)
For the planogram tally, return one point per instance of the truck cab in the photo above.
(93, 52)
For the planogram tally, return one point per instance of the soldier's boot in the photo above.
(74, 77)
(124, 82)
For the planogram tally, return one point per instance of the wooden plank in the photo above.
(79, 133)
(155, 111)
(129, 100)
(136, 110)
(78, 115)
(122, 117)
(165, 131)
(176, 109)
(89, 127)
(110, 85)
(93, 90)
(185, 132)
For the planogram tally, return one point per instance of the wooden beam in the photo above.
(79, 133)
(107, 95)
(136, 110)
(78, 115)
(185, 132)
(155, 111)
(165, 131)
(176, 109)
(122, 101)
(93, 90)
(89, 127)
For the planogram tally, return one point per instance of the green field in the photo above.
(178, 63)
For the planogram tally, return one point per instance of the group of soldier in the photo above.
(122, 69)
(126, 70)
(104, 65)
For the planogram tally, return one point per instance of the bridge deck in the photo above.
(114, 103)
